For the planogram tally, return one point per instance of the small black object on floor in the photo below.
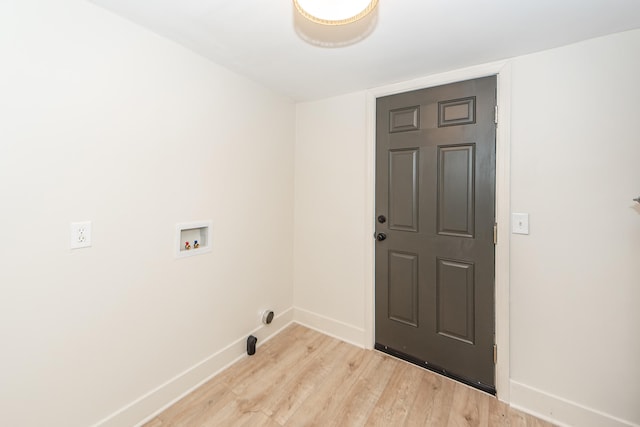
(251, 345)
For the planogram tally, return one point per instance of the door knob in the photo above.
(382, 219)
(380, 237)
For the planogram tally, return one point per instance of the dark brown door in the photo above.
(435, 214)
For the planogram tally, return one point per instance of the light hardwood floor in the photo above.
(304, 378)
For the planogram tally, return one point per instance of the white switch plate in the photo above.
(80, 234)
(520, 223)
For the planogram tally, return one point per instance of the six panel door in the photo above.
(435, 188)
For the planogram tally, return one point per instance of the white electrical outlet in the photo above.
(80, 234)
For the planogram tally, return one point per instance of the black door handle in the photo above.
(380, 237)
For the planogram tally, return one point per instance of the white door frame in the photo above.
(502, 70)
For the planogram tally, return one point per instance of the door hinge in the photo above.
(495, 116)
(495, 233)
(495, 354)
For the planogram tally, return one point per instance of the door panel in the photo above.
(404, 119)
(435, 184)
(457, 112)
(403, 288)
(403, 190)
(456, 309)
(456, 178)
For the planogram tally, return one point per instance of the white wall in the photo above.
(101, 120)
(329, 230)
(575, 280)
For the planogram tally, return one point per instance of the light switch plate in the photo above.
(520, 223)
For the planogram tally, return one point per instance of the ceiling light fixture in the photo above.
(334, 12)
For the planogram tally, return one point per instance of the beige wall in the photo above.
(574, 280)
(329, 230)
(104, 121)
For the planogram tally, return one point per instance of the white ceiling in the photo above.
(267, 41)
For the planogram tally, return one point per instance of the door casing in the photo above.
(502, 70)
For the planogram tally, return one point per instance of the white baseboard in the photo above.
(560, 411)
(155, 401)
(525, 398)
(333, 328)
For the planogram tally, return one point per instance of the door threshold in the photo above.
(438, 370)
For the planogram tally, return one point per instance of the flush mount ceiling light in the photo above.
(334, 12)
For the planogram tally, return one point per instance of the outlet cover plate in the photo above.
(80, 234)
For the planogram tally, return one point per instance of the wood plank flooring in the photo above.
(304, 378)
